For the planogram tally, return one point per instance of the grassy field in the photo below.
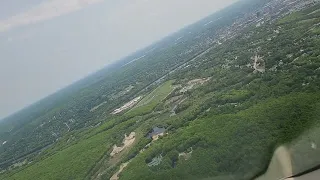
(148, 103)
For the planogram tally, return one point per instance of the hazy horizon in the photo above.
(49, 44)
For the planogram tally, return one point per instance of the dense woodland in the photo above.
(230, 123)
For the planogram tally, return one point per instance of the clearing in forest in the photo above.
(128, 105)
(127, 142)
(149, 102)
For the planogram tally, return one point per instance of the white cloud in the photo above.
(45, 11)
(136, 9)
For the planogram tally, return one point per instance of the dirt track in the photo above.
(116, 175)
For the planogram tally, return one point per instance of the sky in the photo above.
(46, 45)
